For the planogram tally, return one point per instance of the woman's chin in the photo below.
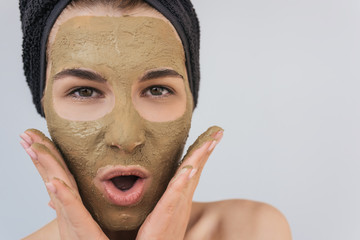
(121, 222)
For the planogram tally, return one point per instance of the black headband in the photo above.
(38, 18)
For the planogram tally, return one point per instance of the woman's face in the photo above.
(118, 106)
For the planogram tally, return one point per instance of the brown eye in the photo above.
(158, 91)
(85, 92)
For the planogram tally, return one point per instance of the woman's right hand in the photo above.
(73, 219)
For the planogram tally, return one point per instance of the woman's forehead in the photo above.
(116, 42)
(106, 10)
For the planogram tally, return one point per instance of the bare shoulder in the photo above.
(49, 231)
(237, 219)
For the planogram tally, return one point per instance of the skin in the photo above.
(172, 212)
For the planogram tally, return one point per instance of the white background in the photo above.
(280, 76)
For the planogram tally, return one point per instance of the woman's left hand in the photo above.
(170, 217)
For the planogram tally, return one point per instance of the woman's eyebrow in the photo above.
(159, 73)
(80, 73)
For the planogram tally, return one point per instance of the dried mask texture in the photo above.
(121, 49)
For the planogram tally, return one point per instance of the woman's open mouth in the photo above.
(122, 185)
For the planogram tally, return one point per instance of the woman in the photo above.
(121, 86)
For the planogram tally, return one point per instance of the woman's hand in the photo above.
(170, 216)
(73, 219)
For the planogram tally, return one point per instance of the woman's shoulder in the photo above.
(49, 231)
(237, 219)
(228, 219)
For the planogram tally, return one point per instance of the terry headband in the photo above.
(39, 16)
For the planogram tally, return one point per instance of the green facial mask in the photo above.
(121, 49)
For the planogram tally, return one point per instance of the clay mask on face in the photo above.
(121, 142)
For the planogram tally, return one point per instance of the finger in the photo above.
(47, 164)
(213, 133)
(187, 176)
(171, 214)
(75, 222)
(40, 168)
(62, 192)
(170, 217)
(35, 161)
(51, 164)
(36, 136)
(198, 153)
(193, 163)
(31, 136)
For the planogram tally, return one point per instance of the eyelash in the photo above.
(169, 91)
(72, 93)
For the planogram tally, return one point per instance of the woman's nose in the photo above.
(126, 132)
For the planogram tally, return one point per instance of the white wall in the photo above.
(280, 76)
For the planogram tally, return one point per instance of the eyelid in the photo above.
(169, 89)
(72, 91)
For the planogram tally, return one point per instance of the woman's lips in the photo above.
(109, 181)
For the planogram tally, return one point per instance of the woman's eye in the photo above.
(157, 91)
(85, 92)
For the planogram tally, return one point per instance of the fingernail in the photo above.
(24, 144)
(219, 136)
(74, 192)
(50, 204)
(31, 153)
(192, 173)
(182, 171)
(212, 146)
(50, 187)
(26, 138)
